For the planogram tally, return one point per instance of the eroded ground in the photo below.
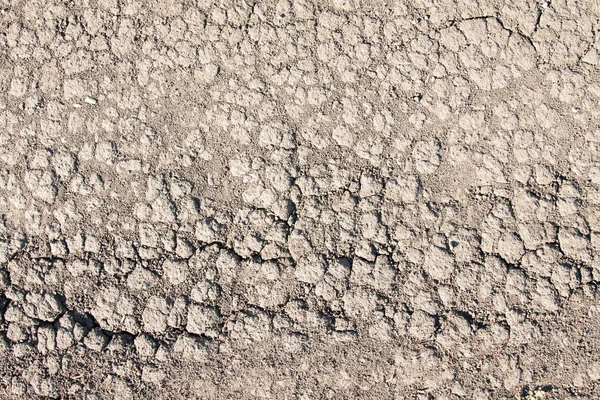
(350, 199)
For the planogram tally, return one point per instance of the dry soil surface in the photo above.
(344, 199)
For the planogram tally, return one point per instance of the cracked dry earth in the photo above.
(350, 199)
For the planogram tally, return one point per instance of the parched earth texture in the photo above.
(299, 200)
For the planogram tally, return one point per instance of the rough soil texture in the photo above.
(351, 199)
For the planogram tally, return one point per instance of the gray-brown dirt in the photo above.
(331, 199)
